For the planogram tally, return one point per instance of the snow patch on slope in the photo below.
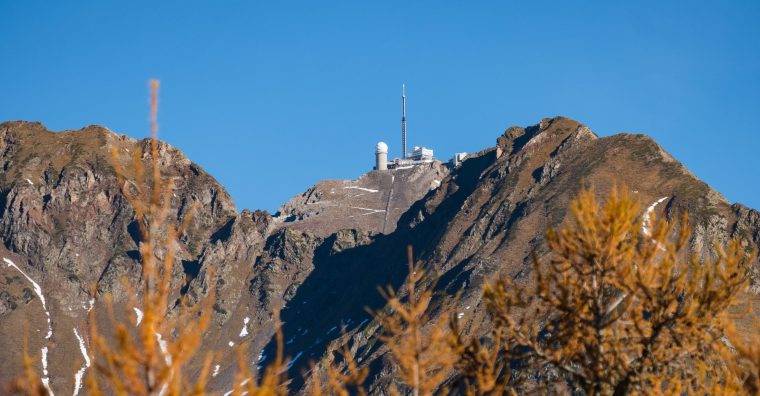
(244, 331)
(646, 225)
(45, 380)
(80, 373)
(90, 304)
(44, 350)
(164, 346)
(38, 291)
(164, 349)
(369, 211)
(242, 383)
(139, 316)
(361, 188)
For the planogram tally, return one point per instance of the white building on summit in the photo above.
(457, 159)
(381, 156)
(419, 155)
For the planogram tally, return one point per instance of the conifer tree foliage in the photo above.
(154, 358)
(616, 308)
(745, 360)
(343, 375)
(149, 357)
(422, 353)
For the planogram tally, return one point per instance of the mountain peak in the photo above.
(319, 261)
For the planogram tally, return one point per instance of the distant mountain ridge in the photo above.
(66, 226)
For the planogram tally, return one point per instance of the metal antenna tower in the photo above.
(403, 121)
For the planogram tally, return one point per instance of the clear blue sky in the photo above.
(271, 97)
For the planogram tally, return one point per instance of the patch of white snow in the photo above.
(646, 224)
(46, 384)
(79, 374)
(244, 331)
(139, 316)
(38, 291)
(44, 361)
(164, 349)
(242, 383)
(369, 211)
(361, 188)
(91, 304)
(45, 380)
(44, 350)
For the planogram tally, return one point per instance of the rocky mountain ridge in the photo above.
(66, 226)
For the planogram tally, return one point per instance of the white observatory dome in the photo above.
(381, 148)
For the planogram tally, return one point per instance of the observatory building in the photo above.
(419, 155)
(381, 156)
(457, 160)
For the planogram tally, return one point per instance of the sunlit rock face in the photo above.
(374, 202)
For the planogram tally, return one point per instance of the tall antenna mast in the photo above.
(403, 121)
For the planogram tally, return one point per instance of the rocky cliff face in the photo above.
(320, 261)
(69, 228)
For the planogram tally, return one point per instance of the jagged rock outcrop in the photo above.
(319, 263)
(747, 228)
(63, 215)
